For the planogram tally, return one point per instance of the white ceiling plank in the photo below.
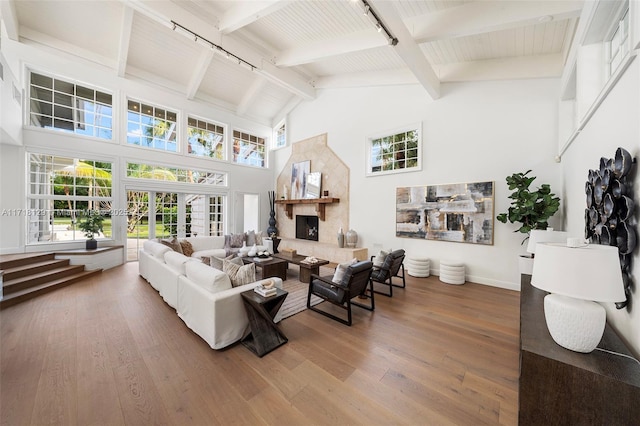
(291, 104)
(407, 48)
(250, 96)
(199, 72)
(10, 18)
(367, 79)
(246, 13)
(487, 16)
(164, 12)
(125, 38)
(354, 42)
(513, 68)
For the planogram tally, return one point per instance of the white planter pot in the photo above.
(526, 264)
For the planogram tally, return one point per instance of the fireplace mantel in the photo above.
(319, 202)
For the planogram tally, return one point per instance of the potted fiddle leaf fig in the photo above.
(90, 226)
(530, 209)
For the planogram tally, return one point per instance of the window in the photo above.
(617, 46)
(205, 139)
(280, 136)
(395, 152)
(62, 105)
(151, 127)
(216, 215)
(61, 191)
(248, 149)
(175, 174)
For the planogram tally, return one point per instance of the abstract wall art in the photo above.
(299, 172)
(459, 212)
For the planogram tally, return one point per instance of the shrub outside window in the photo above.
(205, 139)
(62, 105)
(395, 152)
(248, 149)
(150, 126)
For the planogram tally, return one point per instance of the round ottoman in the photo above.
(417, 266)
(451, 272)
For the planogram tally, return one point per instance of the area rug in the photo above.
(296, 300)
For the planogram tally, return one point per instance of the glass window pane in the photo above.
(64, 87)
(41, 80)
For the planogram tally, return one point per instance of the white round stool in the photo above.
(451, 272)
(417, 266)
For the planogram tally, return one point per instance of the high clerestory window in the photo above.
(248, 149)
(151, 126)
(617, 45)
(205, 139)
(66, 106)
(394, 152)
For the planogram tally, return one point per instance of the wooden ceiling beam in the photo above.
(200, 70)
(10, 18)
(125, 38)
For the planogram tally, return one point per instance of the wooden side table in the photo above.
(265, 335)
(306, 269)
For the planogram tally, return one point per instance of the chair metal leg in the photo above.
(371, 307)
(334, 317)
(404, 283)
(390, 293)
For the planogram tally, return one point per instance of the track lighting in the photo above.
(373, 16)
(221, 50)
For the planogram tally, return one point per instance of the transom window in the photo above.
(175, 174)
(63, 105)
(248, 149)
(151, 126)
(61, 192)
(617, 45)
(280, 136)
(205, 139)
(395, 152)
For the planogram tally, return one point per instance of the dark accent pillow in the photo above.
(172, 243)
(187, 248)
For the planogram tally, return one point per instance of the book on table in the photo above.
(265, 292)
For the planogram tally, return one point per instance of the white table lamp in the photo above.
(545, 236)
(577, 278)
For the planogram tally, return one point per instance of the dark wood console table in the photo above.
(562, 387)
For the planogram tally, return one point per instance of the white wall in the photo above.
(241, 179)
(615, 124)
(474, 132)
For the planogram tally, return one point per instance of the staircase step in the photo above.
(21, 283)
(33, 268)
(14, 260)
(30, 292)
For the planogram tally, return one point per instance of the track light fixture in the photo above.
(368, 11)
(221, 50)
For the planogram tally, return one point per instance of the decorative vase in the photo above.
(272, 230)
(340, 238)
(352, 238)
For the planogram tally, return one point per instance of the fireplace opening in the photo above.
(307, 227)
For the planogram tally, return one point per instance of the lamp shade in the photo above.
(591, 272)
(545, 236)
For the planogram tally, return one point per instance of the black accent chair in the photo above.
(392, 267)
(354, 283)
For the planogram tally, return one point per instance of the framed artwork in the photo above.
(299, 173)
(459, 212)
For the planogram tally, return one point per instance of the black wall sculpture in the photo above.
(609, 216)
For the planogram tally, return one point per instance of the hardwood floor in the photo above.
(109, 351)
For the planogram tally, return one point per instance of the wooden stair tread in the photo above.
(18, 296)
(63, 270)
(40, 265)
(13, 260)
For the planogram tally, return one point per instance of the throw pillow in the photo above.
(173, 243)
(259, 236)
(341, 269)
(251, 238)
(187, 248)
(206, 260)
(236, 240)
(380, 257)
(239, 275)
(216, 262)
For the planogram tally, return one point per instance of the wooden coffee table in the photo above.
(265, 335)
(306, 269)
(273, 267)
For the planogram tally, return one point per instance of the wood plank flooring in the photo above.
(109, 351)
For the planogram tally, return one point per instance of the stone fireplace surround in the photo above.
(335, 179)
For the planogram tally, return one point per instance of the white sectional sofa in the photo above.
(202, 296)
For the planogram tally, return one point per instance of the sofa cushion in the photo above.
(156, 249)
(208, 278)
(187, 248)
(206, 242)
(341, 269)
(176, 261)
(172, 243)
(216, 262)
(236, 240)
(239, 275)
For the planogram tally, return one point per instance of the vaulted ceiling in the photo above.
(261, 58)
